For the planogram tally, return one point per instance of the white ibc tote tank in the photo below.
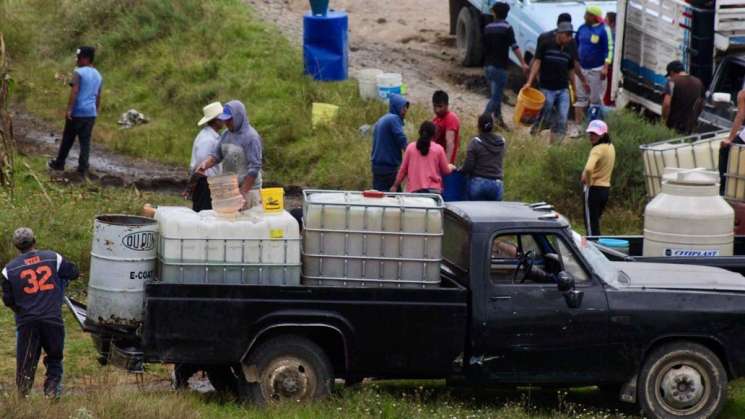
(122, 259)
(689, 218)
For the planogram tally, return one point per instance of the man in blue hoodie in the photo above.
(389, 141)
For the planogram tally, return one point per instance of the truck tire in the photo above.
(289, 369)
(468, 36)
(224, 379)
(682, 380)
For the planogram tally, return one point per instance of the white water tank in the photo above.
(688, 218)
(372, 239)
(122, 259)
(251, 248)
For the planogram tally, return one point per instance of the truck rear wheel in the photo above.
(468, 36)
(682, 380)
(289, 369)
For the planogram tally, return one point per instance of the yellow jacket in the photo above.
(599, 167)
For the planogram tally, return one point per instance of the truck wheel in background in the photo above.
(682, 380)
(289, 369)
(468, 36)
(224, 378)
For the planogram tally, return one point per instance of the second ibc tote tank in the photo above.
(688, 218)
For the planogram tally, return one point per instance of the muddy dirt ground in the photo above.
(411, 37)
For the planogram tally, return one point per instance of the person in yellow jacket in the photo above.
(596, 176)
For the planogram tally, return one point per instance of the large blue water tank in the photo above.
(326, 45)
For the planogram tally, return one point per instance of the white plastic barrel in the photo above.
(388, 84)
(123, 257)
(688, 218)
(368, 82)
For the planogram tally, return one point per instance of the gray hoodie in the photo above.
(485, 156)
(240, 149)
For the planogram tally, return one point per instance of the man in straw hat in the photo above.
(33, 287)
(205, 145)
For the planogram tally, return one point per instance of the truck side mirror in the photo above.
(565, 282)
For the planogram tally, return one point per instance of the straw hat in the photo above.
(211, 111)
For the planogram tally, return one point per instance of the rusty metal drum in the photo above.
(123, 256)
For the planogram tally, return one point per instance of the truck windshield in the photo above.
(599, 263)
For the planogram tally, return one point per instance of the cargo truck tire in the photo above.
(682, 380)
(468, 36)
(288, 369)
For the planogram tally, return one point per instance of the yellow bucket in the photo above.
(529, 104)
(323, 114)
(273, 199)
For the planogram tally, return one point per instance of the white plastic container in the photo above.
(122, 260)
(368, 83)
(250, 248)
(688, 218)
(388, 84)
(351, 239)
(699, 151)
(735, 186)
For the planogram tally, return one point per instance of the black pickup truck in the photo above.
(523, 300)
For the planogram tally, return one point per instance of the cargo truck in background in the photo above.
(707, 37)
(529, 19)
(520, 299)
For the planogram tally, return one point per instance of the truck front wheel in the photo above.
(682, 380)
(468, 36)
(288, 369)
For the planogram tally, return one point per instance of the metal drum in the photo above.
(123, 257)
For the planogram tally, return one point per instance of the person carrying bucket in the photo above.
(389, 140)
(484, 163)
(555, 63)
(240, 152)
(596, 176)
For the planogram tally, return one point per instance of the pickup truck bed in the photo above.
(734, 263)
(380, 329)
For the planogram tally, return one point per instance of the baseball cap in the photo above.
(564, 27)
(564, 17)
(597, 127)
(595, 11)
(226, 114)
(85, 52)
(675, 67)
(23, 237)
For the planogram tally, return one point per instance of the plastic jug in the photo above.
(368, 83)
(388, 84)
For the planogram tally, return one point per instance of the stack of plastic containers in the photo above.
(249, 248)
(226, 195)
(372, 239)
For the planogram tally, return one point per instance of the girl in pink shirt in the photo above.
(424, 163)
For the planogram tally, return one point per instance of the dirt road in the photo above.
(410, 37)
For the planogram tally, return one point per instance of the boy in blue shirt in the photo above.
(595, 49)
(82, 109)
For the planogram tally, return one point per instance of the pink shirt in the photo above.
(423, 172)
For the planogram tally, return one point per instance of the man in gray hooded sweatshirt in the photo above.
(239, 152)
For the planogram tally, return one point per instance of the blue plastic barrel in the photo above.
(454, 187)
(319, 7)
(615, 244)
(326, 46)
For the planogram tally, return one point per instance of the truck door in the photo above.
(533, 334)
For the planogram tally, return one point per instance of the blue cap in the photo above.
(226, 114)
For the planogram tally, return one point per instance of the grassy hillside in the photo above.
(168, 59)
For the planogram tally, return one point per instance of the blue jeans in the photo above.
(497, 78)
(483, 189)
(558, 119)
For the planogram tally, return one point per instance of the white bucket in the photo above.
(368, 81)
(388, 84)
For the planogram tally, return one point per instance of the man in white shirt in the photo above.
(205, 144)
